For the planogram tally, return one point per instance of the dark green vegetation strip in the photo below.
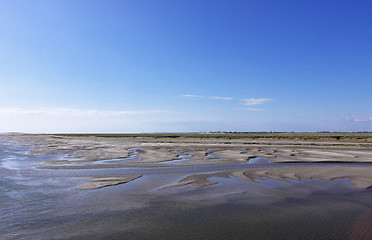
(360, 136)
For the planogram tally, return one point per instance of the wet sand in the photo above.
(100, 182)
(359, 177)
(136, 188)
(90, 149)
(106, 153)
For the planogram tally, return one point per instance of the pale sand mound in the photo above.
(100, 182)
(314, 154)
(155, 155)
(359, 177)
(102, 154)
(235, 155)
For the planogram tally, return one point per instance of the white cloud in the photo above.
(192, 96)
(72, 112)
(363, 119)
(199, 96)
(249, 109)
(221, 98)
(255, 101)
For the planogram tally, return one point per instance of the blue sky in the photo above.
(180, 66)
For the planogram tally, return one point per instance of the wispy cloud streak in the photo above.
(200, 96)
(221, 98)
(249, 109)
(363, 119)
(191, 96)
(255, 101)
(73, 112)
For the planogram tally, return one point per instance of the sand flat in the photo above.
(84, 152)
(358, 177)
(105, 181)
(99, 148)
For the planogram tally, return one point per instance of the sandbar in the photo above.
(105, 181)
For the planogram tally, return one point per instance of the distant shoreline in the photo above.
(315, 137)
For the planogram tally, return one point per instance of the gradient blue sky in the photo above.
(180, 66)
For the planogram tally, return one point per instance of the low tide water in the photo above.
(45, 204)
